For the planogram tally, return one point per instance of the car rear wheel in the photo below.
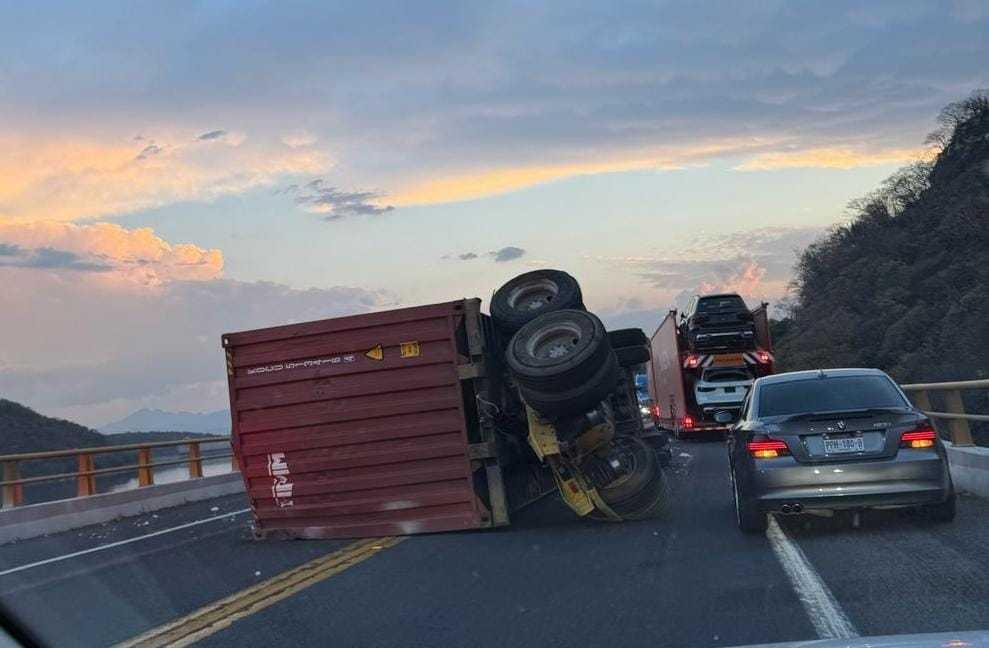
(750, 519)
(944, 511)
(532, 294)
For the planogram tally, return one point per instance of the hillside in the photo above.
(154, 420)
(904, 286)
(24, 430)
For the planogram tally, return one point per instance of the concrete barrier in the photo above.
(35, 520)
(969, 468)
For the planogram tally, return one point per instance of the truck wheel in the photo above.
(642, 492)
(559, 351)
(576, 400)
(532, 294)
(631, 356)
(627, 338)
(750, 519)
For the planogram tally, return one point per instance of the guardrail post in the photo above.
(13, 494)
(195, 461)
(923, 403)
(86, 481)
(921, 400)
(145, 473)
(961, 435)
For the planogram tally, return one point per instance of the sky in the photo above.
(173, 171)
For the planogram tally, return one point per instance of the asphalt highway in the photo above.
(549, 579)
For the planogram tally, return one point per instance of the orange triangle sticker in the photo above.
(377, 353)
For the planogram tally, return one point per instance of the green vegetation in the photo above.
(904, 286)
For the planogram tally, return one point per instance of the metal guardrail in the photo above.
(961, 434)
(85, 475)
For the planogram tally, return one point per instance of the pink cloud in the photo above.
(133, 256)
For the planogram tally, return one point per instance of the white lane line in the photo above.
(819, 603)
(75, 554)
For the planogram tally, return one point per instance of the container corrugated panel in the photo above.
(355, 426)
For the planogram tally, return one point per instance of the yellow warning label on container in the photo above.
(377, 353)
(410, 349)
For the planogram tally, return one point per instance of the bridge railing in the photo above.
(956, 416)
(12, 485)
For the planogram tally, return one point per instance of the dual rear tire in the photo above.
(641, 492)
(532, 294)
(563, 363)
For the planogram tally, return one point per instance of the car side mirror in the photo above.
(724, 416)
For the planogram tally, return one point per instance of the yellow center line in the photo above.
(216, 616)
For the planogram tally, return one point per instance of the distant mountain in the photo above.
(154, 420)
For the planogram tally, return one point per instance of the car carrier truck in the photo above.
(688, 388)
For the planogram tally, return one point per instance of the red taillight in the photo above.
(692, 361)
(769, 449)
(688, 421)
(923, 437)
(763, 357)
(655, 411)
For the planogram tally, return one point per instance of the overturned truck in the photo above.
(439, 417)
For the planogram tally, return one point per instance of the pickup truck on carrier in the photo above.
(440, 417)
(691, 380)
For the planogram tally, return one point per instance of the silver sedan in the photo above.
(834, 439)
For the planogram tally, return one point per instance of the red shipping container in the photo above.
(365, 425)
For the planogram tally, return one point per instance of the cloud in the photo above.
(299, 139)
(148, 151)
(508, 253)
(212, 135)
(129, 348)
(832, 158)
(138, 322)
(467, 256)
(46, 258)
(463, 103)
(134, 256)
(67, 177)
(757, 263)
(446, 186)
(319, 198)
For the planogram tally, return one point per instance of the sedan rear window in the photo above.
(828, 394)
(718, 304)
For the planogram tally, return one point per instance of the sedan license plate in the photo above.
(840, 446)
